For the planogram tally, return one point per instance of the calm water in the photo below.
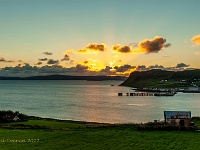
(89, 101)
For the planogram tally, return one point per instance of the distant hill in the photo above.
(163, 79)
(66, 77)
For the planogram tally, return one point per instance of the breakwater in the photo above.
(148, 94)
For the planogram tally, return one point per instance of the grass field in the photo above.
(79, 135)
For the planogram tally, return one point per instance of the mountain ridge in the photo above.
(65, 77)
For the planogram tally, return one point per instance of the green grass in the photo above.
(63, 135)
(98, 138)
(52, 124)
(156, 83)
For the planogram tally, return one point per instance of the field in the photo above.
(53, 134)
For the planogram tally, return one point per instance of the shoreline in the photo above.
(70, 121)
(157, 90)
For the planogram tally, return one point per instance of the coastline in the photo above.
(67, 121)
(166, 90)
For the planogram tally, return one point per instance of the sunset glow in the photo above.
(97, 37)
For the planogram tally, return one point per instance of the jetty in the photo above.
(148, 94)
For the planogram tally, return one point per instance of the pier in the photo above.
(136, 94)
(148, 94)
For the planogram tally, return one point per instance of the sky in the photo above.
(93, 37)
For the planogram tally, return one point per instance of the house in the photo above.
(11, 117)
(193, 88)
(178, 118)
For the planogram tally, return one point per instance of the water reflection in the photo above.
(90, 101)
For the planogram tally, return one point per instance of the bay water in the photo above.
(95, 101)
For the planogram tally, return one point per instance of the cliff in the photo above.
(163, 79)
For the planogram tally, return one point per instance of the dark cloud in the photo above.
(20, 60)
(28, 70)
(52, 62)
(93, 47)
(156, 67)
(10, 61)
(146, 46)
(25, 69)
(106, 70)
(141, 67)
(181, 65)
(123, 68)
(4, 60)
(167, 45)
(86, 62)
(66, 58)
(152, 46)
(48, 53)
(98, 47)
(81, 68)
(43, 59)
(122, 49)
(39, 63)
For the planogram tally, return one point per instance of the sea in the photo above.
(92, 101)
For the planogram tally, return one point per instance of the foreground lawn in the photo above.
(70, 135)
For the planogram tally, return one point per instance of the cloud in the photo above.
(39, 63)
(146, 46)
(123, 68)
(196, 39)
(86, 62)
(93, 47)
(4, 60)
(122, 49)
(167, 45)
(27, 70)
(81, 68)
(141, 67)
(20, 60)
(66, 58)
(181, 65)
(91, 64)
(52, 62)
(71, 62)
(106, 70)
(156, 67)
(98, 47)
(153, 45)
(48, 53)
(11, 61)
(43, 59)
